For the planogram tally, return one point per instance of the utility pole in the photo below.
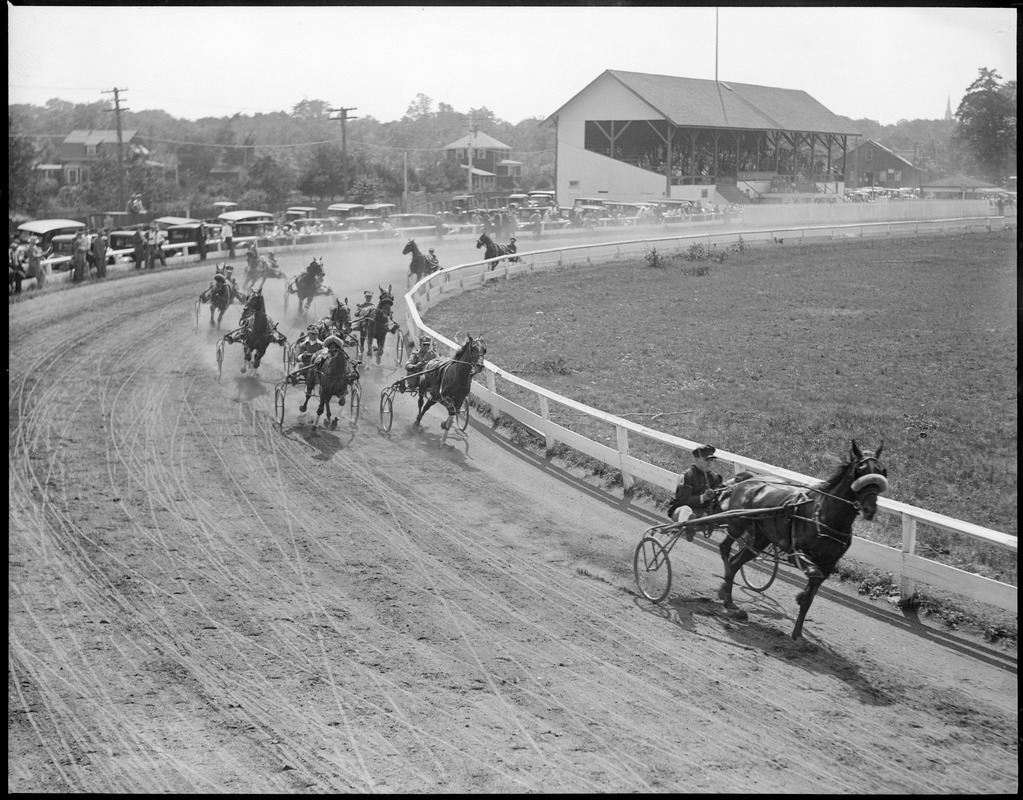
(472, 146)
(120, 144)
(343, 119)
(405, 193)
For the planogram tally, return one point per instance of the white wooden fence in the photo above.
(903, 562)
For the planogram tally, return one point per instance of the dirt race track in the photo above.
(200, 600)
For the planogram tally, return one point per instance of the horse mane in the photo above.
(836, 477)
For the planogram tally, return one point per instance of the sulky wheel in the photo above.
(279, 394)
(462, 415)
(399, 346)
(354, 400)
(220, 359)
(759, 573)
(652, 569)
(386, 410)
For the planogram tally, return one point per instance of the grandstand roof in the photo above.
(698, 103)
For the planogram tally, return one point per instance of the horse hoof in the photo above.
(333, 424)
(243, 369)
(737, 614)
(301, 409)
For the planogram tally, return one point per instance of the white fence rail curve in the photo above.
(903, 562)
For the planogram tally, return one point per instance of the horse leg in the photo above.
(732, 564)
(424, 405)
(212, 309)
(805, 598)
(310, 384)
(248, 356)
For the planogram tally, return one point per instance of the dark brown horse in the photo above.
(448, 380)
(256, 331)
(307, 286)
(492, 250)
(375, 323)
(420, 264)
(330, 378)
(219, 295)
(813, 524)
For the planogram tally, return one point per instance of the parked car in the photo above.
(182, 239)
(46, 229)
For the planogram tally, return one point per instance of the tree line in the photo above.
(286, 157)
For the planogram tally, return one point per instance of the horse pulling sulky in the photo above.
(331, 373)
(307, 286)
(256, 332)
(374, 323)
(220, 294)
(447, 381)
(492, 250)
(770, 519)
(421, 265)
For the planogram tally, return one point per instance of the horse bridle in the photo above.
(870, 483)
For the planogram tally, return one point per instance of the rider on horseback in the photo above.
(416, 363)
(433, 260)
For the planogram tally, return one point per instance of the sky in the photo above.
(520, 62)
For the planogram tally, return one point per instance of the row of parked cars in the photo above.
(179, 235)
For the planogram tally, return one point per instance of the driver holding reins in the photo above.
(416, 363)
(700, 490)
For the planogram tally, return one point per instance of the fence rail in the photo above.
(904, 561)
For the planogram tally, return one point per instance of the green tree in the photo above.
(321, 175)
(272, 177)
(986, 125)
(24, 187)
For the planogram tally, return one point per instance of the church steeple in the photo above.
(948, 109)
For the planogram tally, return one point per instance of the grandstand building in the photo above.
(635, 137)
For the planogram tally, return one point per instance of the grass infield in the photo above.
(783, 353)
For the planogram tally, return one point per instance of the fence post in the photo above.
(623, 450)
(492, 386)
(907, 586)
(545, 413)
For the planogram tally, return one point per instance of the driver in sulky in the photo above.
(415, 364)
(700, 490)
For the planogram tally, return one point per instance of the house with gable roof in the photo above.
(490, 161)
(873, 164)
(80, 149)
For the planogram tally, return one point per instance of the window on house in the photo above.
(90, 149)
(573, 184)
(481, 154)
(460, 155)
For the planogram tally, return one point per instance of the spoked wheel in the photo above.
(652, 569)
(462, 415)
(759, 573)
(220, 359)
(354, 399)
(386, 410)
(279, 394)
(399, 346)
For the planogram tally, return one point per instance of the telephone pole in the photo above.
(116, 92)
(472, 142)
(343, 119)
